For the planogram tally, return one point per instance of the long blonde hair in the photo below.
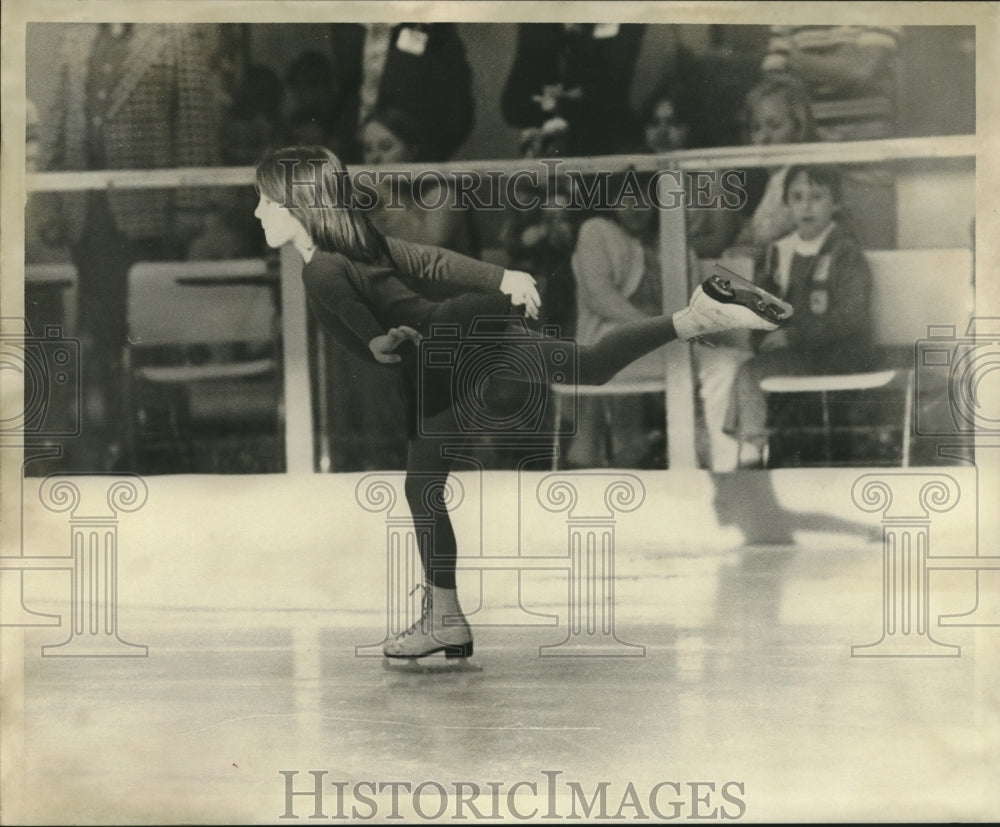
(313, 184)
(793, 94)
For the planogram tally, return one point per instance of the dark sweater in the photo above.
(415, 285)
(831, 294)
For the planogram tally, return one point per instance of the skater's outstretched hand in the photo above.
(520, 286)
(383, 347)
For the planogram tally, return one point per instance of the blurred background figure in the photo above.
(851, 76)
(777, 111)
(429, 214)
(540, 241)
(32, 137)
(667, 118)
(312, 101)
(417, 68)
(568, 88)
(666, 121)
(617, 267)
(251, 124)
(120, 86)
(848, 72)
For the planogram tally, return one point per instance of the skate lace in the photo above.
(425, 609)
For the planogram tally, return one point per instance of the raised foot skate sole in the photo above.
(727, 287)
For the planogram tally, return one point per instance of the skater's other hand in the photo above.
(520, 286)
(383, 347)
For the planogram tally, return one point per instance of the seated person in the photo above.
(427, 215)
(821, 271)
(540, 241)
(777, 111)
(617, 267)
(666, 122)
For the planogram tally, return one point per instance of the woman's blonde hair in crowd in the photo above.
(793, 94)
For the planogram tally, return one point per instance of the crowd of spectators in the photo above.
(403, 94)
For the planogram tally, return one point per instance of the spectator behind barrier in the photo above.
(666, 119)
(568, 87)
(368, 430)
(849, 73)
(821, 271)
(617, 267)
(427, 216)
(778, 111)
(129, 96)
(540, 240)
(666, 127)
(417, 68)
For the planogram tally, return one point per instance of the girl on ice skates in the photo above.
(381, 297)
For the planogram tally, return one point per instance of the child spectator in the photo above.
(821, 271)
(777, 111)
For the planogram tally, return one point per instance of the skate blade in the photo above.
(428, 665)
(726, 286)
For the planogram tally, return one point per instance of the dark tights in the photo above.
(427, 466)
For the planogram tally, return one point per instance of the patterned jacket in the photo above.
(162, 113)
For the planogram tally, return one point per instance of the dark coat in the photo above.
(433, 86)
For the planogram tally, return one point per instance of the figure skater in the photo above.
(371, 292)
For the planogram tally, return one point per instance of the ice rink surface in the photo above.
(715, 680)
